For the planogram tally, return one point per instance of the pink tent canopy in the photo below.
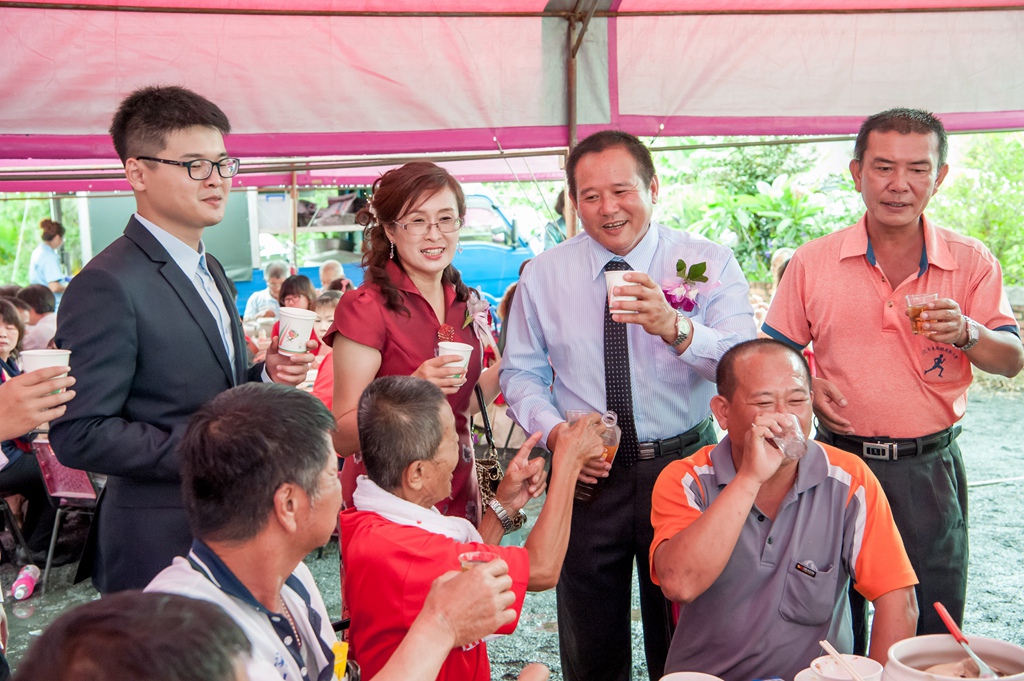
(342, 78)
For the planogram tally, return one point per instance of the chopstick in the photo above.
(830, 649)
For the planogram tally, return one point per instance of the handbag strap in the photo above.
(486, 419)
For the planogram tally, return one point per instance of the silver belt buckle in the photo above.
(645, 451)
(882, 451)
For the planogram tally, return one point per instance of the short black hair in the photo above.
(725, 373)
(139, 636)
(399, 423)
(606, 139)
(40, 298)
(241, 447)
(904, 121)
(146, 116)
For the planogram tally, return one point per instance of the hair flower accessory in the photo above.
(681, 290)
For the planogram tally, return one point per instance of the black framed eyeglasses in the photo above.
(201, 168)
(419, 226)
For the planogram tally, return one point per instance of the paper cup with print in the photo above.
(617, 278)
(296, 327)
(463, 350)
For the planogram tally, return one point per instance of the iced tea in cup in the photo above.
(613, 278)
(610, 439)
(463, 350)
(916, 304)
(473, 558)
(296, 328)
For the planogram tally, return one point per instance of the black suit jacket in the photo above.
(147, 354)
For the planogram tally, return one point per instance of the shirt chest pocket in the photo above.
(809, 594)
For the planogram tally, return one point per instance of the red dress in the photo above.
(404, 344)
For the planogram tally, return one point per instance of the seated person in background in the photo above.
(297, 291)
(264, 303)
(329, 271)
(323, 386)
(41, 316)
(22, 307)
(260, 482)
(138, 636)
(341, 284)
(19, 470)
(394, 543)
(759, 548)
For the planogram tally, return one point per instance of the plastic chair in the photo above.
(69, 488)
(12, 523)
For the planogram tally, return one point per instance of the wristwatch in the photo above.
(682, 330)
(507, 524)
(973, 335)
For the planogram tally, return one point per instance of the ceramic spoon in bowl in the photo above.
(984, 671)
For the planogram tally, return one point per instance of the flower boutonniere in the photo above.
(681, 290)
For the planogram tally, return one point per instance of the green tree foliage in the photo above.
(753, 199)
(984, 197)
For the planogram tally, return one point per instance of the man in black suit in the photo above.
(153, 334)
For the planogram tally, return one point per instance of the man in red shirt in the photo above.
(394, 543)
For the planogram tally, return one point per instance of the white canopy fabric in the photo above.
(316, 78)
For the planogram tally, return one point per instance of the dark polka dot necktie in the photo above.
(618, 392)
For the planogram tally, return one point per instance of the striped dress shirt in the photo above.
(557, 322)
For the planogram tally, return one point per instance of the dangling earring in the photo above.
(458, 246)
(392, 256)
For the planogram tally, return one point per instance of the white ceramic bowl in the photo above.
(910, 657)
(827, 669)
(689, 676)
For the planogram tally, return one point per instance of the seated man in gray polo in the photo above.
(758, 543)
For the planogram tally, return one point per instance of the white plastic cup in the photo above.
(689, 676)
(296, 327)
(463, 350)
(40, 359)
(614, 278)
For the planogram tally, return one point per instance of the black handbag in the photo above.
(489, 472)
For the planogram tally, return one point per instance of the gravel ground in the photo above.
(992, 443)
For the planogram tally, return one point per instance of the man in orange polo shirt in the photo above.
(879, 392)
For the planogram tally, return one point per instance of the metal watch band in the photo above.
(499, 510)
(681, 329)
(973, 334)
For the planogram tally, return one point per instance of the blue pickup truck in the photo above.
(492, 251)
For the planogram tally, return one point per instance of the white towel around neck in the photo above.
(368, 496)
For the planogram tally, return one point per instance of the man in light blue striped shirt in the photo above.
(555, 360)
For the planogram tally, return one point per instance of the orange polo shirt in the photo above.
(897, 384)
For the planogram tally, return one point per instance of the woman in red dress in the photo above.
(412, 298)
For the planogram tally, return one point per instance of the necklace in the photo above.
(291, 623)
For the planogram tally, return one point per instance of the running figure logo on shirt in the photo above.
(939, 361)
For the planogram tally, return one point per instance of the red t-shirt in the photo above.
(388, 572)
(404, 343)
(323, 386)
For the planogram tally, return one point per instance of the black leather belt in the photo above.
(882, 448)
(672, 445)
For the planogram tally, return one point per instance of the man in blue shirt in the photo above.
(658, 377)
